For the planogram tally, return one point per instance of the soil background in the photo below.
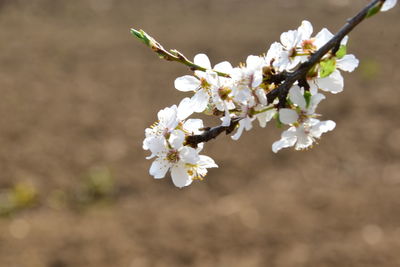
(77, 92)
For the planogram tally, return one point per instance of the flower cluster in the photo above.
(244, 94)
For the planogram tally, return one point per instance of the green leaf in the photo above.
(341, 52)
(327, 67)
(374, 10)
(307, 97)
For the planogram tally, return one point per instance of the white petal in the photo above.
(211, 77)
(168, 117)
(159, 168)
(288, 139)
(347, 63)
(273, 52)
(288, 39)
(322, 127)
(176, 139)
(306, 29)
(297, 97)
(207, 162)
(303, 139)
(315, 100)
(187, 83)
(200, 100)
(193, 126)
(180, 177)
(389, 4)
(238, 133)
(226, 120)
(202, 60)
(322, 38)
(257, 78)
(265, 117)
(224, 67)
(313, 87)
(185, 108)
(288, 116)
(156, 144)
(262, 97)
(333, 83)
(345, 40)
(254, 62)
(189, 155)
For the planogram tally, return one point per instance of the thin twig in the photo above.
(171, 55)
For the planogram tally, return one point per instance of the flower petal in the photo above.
(156, 144)
(200, 100)
(288, 139)
(159, 168)
(202, 60)
(189, 155)
(168, 117)
(180, 177)
(333, 83)
(207, 162)
(187, 83)
(224, 67)
(347, 63)
(185, 108)
(176, 139)
(193, 126)
(306, 29)
(265, 117)
(322, 38)
(315, 100)
(288, 116)
(322, 127)
(261, 96)
(389, 4)
(288, 39)
(297, 97)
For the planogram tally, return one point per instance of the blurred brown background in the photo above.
(77, 92)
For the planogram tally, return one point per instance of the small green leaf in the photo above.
(341, 52)
(327, 67)
(374, 10)
(307, 97)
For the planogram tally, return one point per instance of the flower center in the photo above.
(308, 46)
(204, 84)
(224, 92)
(173, 156)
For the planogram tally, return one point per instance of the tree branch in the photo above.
(287, 79)
(211, 133)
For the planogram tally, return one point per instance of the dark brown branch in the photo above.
(287, 79)
(210, 133)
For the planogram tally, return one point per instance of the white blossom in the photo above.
(291, 53)
(184, 162)
(303, 110)
(304, 135)
(203, 83)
